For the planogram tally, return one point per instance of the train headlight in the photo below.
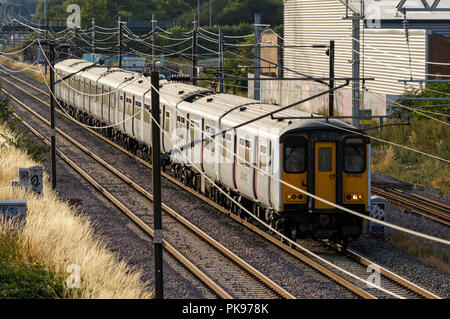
(353, 197)
(294, 197)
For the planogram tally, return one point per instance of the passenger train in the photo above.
(321, 156)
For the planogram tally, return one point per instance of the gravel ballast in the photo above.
(132, 245)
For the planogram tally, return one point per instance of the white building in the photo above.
(384, 49)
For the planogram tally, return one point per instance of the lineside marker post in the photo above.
(119, 22)
(51, 47)
(331, 84)
(257, 62)
(93, 40)
(221, 62)
(153, 42)
(156, 174)
(194, 49)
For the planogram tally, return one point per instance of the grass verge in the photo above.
(36, 261)
(424, 135)
(24, 280)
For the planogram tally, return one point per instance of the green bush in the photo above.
(432, 90)
(424, 135)
(20, 280)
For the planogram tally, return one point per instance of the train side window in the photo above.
(180, 127)
(167, 123)
(137, 109)
(226, 143)
(129, 107)
(354, 155)
(262, 157)
(244, 152)
(121, 104)
(294, 154)
(99, 94)
(110, 98)
(93, 91)
(209, 139)
(194, 130)
(106, 97)
(146, 112)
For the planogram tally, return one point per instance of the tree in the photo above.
(225, 12)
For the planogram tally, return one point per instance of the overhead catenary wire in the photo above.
(261, 222)
(394, 102)
(141, 53)
(318, 198)
(85, 125)
(147, 79)
(59, 78)
(19, 70)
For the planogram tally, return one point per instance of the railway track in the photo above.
(418, 204)
(399, 286)
(225, 273)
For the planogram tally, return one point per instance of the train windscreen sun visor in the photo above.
(294, 154)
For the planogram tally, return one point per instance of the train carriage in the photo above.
(324, 157)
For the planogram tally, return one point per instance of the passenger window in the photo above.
(226, 149)
(192, 131)
(262, 157)
(244, 152)
(209, 139)
(110, 99)
(106, 98)
(137, 110)
(325, 159)
(93, 91)
(294, 154)
(180, 127)
(354, 155)
(99, 94)
(167, 123)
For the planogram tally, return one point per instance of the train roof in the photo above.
(318, 123)
(231, 110)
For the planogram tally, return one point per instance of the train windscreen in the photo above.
(294, 154)
(354, 155)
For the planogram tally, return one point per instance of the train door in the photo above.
(325, 173)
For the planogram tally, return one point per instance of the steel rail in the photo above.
(360, 292)
(178, 256)
(216, 245)
(394, 277)
(355, 289)
(417, 205)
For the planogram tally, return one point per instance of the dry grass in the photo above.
(56, 236)
(33, 72)
(423, 251)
